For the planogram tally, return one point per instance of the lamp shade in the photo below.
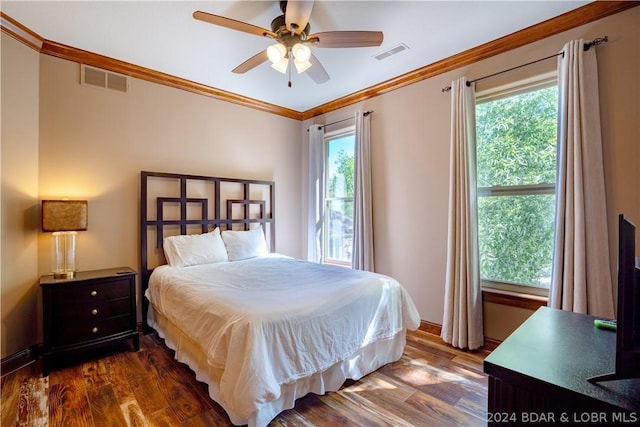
(64, 215)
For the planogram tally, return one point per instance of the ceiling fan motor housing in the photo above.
(279, 26)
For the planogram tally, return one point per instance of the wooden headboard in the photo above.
(172, 204)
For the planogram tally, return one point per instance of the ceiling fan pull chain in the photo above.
(290, 71)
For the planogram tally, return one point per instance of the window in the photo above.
(338, 213)
(516, 167)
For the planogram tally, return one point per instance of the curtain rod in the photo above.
(587, 46)
(366, 113)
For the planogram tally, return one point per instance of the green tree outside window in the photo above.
(516, 175)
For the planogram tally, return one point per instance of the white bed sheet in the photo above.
(266, 323)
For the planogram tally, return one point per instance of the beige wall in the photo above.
(410, 155)
(94, 144)
(19, 197)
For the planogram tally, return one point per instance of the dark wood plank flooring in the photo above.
(431, 385)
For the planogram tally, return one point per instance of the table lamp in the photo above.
(64, 218)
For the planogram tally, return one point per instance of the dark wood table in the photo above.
(539, 374)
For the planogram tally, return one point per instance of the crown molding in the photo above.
(19, 32)
(23, 34)
(575, 18)
(89, 58)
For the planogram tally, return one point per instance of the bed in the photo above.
(259, 328)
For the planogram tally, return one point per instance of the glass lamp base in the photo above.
(64, 275)
(64, 254)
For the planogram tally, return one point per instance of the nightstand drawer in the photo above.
(86, 331)
(92, 292)
(93, 310)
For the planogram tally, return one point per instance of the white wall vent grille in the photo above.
(397, 49)
(103, 79)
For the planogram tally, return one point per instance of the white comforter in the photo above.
(272, 320)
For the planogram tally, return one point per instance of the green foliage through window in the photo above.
(338, 226)
(516, 172)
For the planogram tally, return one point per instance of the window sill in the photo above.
(514, 299)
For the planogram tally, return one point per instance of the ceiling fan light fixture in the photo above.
(301, 66)
(276, 53)
(291, 34)
(281, 65)
(301, 52)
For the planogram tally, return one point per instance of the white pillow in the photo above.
(245, 244)
(194, 249)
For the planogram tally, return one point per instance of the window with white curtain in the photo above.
(338, 198)
(516, 177)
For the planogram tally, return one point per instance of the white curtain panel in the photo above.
(362, 256)
(581, 278)
(462, 321)
(315, 213)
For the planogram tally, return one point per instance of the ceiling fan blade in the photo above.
(317, 72)
(347, 39)
(232, 24)
(297, 15)
(251, 63)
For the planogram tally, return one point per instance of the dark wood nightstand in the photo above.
(93, 309)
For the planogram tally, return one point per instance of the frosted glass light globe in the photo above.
(276, 52)
(301, 52)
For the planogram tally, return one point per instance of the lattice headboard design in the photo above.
(172, 204)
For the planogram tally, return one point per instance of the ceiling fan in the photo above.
(290, 31)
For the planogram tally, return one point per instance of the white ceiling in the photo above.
(163, 36)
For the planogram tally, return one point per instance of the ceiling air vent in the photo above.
(397, 49)
(103, 79)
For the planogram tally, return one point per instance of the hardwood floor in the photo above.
(431, 385)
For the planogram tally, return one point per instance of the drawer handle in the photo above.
(94, 293)
(94, 311)
(94, 330)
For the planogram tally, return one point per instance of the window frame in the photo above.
(328, 137)
(519, 87)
